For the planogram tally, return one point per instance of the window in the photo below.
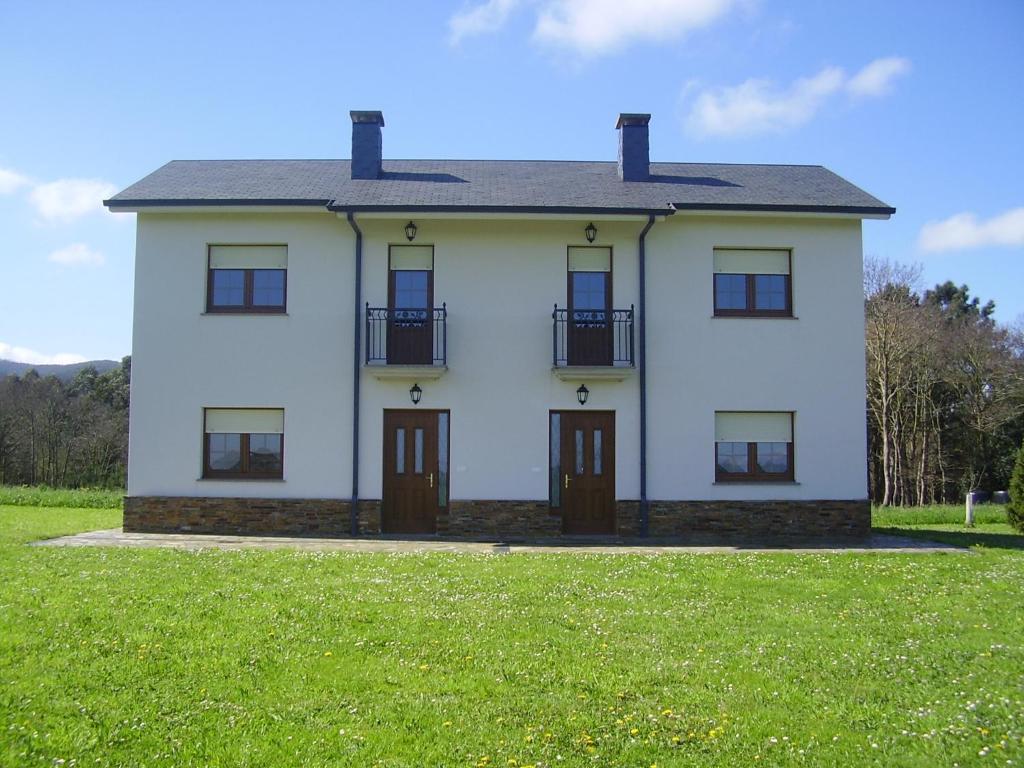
(555, 460)
(590, 285)
(410, 324)
(753, 446)
(247, 279)
(442, 459)
(243, 443)
(752, 283)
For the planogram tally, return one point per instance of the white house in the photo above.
(498, 349)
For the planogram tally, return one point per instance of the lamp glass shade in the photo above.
(582, 394)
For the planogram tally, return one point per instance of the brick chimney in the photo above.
(634, 147)
(367, 146)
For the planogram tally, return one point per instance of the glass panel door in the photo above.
(589, 324)
(410, 317)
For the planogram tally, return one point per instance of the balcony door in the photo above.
(589, 321)
(586, 476)
(410, 305)
(415, 482)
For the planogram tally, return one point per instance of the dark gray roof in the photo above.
(499, 185)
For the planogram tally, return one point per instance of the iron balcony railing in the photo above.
(593, 337)
(406, 336)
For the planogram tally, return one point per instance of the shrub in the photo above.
(1015, 508)
(42, 496)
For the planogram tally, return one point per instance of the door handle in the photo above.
(567, 480)
(431, 479)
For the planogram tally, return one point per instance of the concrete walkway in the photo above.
(115, 537)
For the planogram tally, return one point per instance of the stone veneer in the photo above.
(689, 521)
(244, 516)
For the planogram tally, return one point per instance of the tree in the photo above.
(956, 303)
(1015, 509)
(61, 434)
(945, 389)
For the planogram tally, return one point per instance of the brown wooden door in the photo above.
(589, 321)
(587, 440)
(411, 472)
(411, 317)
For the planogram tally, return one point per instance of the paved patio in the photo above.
(115, 537)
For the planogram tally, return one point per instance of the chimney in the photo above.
(634, 147)
(367, 146)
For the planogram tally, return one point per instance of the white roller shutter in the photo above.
(248, 257)
(245, 420)
(590, 259)
(735, 427)
(752, 262)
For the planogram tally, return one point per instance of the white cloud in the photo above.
(10, 181)
(876, 78)
(30, 356)
(594, 27)
(964, 231)
(68, 199)
(77, 254)
(761, 106)
(757, 106)
(488, 17)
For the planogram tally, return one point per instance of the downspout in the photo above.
(356, 371)
(643, 373)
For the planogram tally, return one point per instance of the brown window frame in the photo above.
(247, 307)
(750, 311)
(754, 473)
(751, 290)
(245, 473)
(609, 298)
(392, 278)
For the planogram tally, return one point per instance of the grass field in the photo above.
(169, 658)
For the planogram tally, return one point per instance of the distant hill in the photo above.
(62, 372)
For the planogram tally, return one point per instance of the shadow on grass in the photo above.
(958, 538)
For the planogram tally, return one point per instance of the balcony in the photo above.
(592, 344)
(407, 343)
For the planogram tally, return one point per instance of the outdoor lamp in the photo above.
(582, 394)
(410, 231)
(591, 232)
(415, 393)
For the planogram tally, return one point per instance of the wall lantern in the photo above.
(591, 232)
(410, 231)
(582, 394)
(415, 393)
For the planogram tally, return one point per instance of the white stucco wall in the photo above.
(812, 364)
(500, 280)
(184, 360)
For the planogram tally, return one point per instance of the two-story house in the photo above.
(498, 349)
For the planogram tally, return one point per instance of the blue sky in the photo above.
(917, 103)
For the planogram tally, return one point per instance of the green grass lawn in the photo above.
(126, 657)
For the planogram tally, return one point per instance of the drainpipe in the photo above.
(356, 371)
(643, 373)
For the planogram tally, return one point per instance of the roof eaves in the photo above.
(611, 210)
(166, 202)
(786, 208)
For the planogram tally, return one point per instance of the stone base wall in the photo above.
(686, 521)
(497, 520)
(244, 516)
(737, 520)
